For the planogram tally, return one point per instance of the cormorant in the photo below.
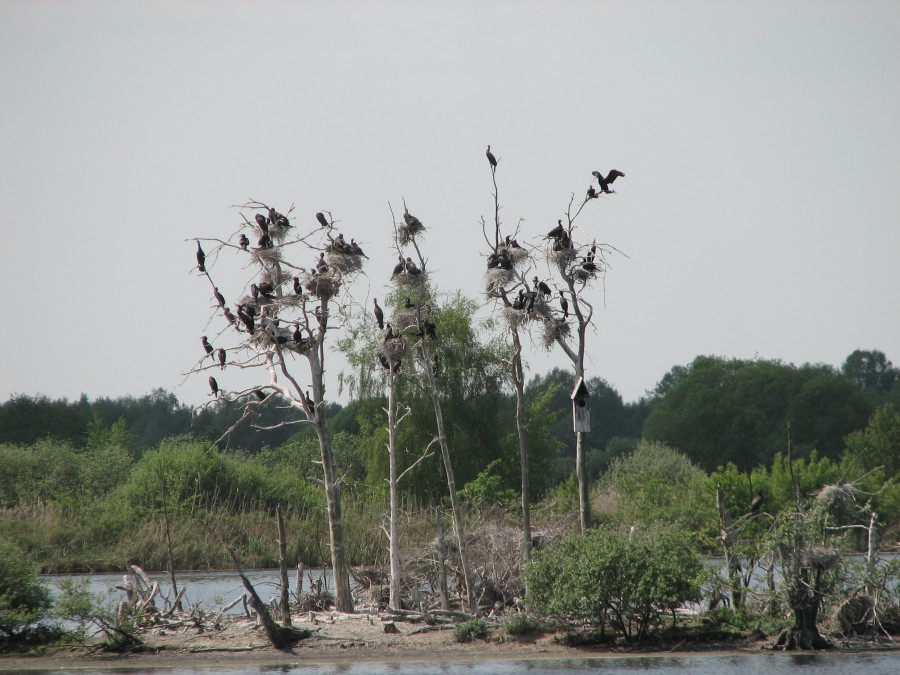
(519, 302)
(557, 231)
(399, 267)
(379, 315)
(220, 354)
(309, 401)
(435, 365)
(430, 329)
(384, 361)
(408, 303)
(298, 289)
(278, 219)
(322, 317)
(323, 221)
(410, 220)
(388, 332)
(214, 386)
(592, 193)
(610, 178)
(564, 304)
(265, 241)
(260, 394)
(206, 345)
(201, 258)
(355, 249)
(756, 503)
(229, 315)
(243, 241)
(541, 287)
(262, 222)
(491, 158)
(298, 336)
(411, 267)
(246, 319)
(266, 289)
(219, 297)
(321, 265)
(254, 291)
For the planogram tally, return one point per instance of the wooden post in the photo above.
(282, 569)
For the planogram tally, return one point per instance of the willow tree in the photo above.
(280, 325)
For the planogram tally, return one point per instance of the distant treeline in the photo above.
(714, 410)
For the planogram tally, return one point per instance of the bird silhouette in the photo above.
(244, 242)
(206, 345)
(564, 304)
(323, 221)
(219, 297)
(220, 354)
(610, 178)
(491, 158)
(201, 258)
(379, 315)
(214, 386)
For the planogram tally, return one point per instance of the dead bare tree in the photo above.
(505, 265)
(576, 266)
(413, 278)
(285, 316)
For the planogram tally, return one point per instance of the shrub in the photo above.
(525, 624)
(626, 580)
(23, 601)
(470, 630)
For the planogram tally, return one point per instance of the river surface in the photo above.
(750, 664)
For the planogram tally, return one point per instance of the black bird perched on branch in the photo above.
(756, 503)
(491, 159)
(564, 304)
(610, 178)
(399, 267)
(229, 316)
(309, 401)
(411, 267)
(592, 193)
(298, 289)
(265, 241)
(407, 304)
(219, 297)
(519, 302)
(323, 221)
(379, 314)
(355, 249)
(321, 316)
(410, 220)
(243, 241)
(278, 219)
(214, 386)
(557, 231)
(321, 265)
(201, 258)
(262, 222)
(384, 361)
(389, 332)
(430, 329)
(220, 354)
(541, 287)
(246, 319)
(260, 394)
(206, 345)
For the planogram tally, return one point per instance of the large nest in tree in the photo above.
(407, 280)
(323, 286)
(540, 311)
(278, 233)
(497, 278)
(266, 256)
(838, 499)
(517, 254)
(344, 262)
(405, 319)
(562, 259)
(552, 330)
(394, 349)
(822, 556)
(409, 229)
(514, 317)
(581, 274)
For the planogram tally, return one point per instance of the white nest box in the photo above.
(581, 406)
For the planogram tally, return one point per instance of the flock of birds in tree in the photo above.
(271, 229)
(502, 258)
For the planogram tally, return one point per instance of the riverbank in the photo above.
(358, 638)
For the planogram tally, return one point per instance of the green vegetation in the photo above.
(23, 601)
(468, 631)
(628, 580)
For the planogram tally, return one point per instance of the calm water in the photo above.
(761, 664)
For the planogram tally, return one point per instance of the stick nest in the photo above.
(405, 319)
(323, 286)
(838, 499)
(822, 556)
(562, 259)
(266, 256)
(497, 278)
(346, 263)
(394, 349)
(407, 280)
(517, 255)
(552, 330)
(408, 230)
(514, 317)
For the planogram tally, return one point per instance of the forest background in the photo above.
(86, 485)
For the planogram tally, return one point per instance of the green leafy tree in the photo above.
(23, 601)
(871, 371)
(629, 580)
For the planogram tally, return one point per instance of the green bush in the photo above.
(23, 601)
(473, 629)
(627, 580)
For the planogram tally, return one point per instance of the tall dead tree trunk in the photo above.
(728, 537)
(522, 433)
(282, 570)
(394, 532)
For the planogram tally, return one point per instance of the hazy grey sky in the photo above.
(760, 142)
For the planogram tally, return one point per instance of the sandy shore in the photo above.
(336, 638)
(340, 638)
